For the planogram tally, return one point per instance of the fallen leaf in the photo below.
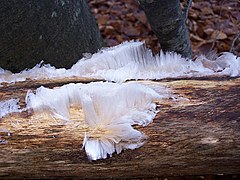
(103, 19)
(131, 31)
(219, 35)
(109, 30)
(208, 31)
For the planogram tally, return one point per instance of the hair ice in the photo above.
(9, 106)
(132, 60)
(109, 109)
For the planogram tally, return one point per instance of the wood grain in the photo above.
(198, 136)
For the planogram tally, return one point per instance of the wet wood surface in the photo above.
(196, 132)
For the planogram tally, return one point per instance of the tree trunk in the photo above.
(198, 136)
(167, 22)
(57, 32)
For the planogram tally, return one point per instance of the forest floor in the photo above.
(213, 24)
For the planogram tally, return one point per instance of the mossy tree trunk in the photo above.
(167, 22)
(57, 32)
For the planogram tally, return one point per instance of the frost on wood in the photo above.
(132, 60)
(9, 106)
(109, 110)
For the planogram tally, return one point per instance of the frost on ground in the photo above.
(109, 109)
(132, 60)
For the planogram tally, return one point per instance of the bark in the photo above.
(196, 137)
(167, 22)
(56, 31)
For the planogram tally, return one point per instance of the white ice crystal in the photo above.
(9, 106)
(226, 64)
(132, 60)
(109, 109)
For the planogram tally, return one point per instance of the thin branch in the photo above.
(189, 2)
(234, 40)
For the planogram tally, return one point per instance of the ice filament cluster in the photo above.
(109, 109)
(132, 60)
(9, 106)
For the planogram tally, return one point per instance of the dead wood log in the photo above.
(196, 137)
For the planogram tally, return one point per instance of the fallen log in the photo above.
(196, 132)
